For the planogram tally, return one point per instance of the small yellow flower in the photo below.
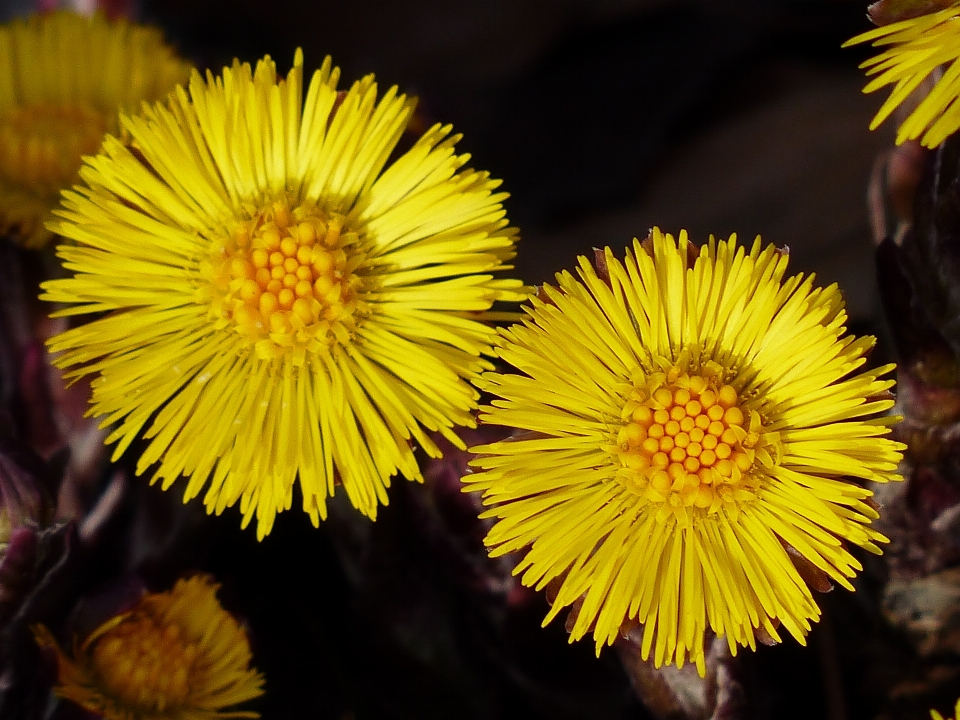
(174, 656)
(63, 77)
(282, 307)
(918, 47)
(934, 715)
(684, 424)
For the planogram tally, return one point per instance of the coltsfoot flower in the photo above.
(918, 46)
(688, 425)
(280, 306)
(174, 656)
(63, 79)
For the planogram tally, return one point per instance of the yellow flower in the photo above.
(937, 716)
(684, 425)
(919, 46)
(174, 656)
(63, 78)
(280, 306)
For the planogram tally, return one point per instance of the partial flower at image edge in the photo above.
(176, 655)
(916, 49)
(54, 109)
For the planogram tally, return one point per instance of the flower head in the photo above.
(919, 46)
(174, 656)
(63, 77)
(689, 424)
(280, 305)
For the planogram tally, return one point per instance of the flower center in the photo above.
(145, 663)
(286, 280)
(41, 144)
(686, 442)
